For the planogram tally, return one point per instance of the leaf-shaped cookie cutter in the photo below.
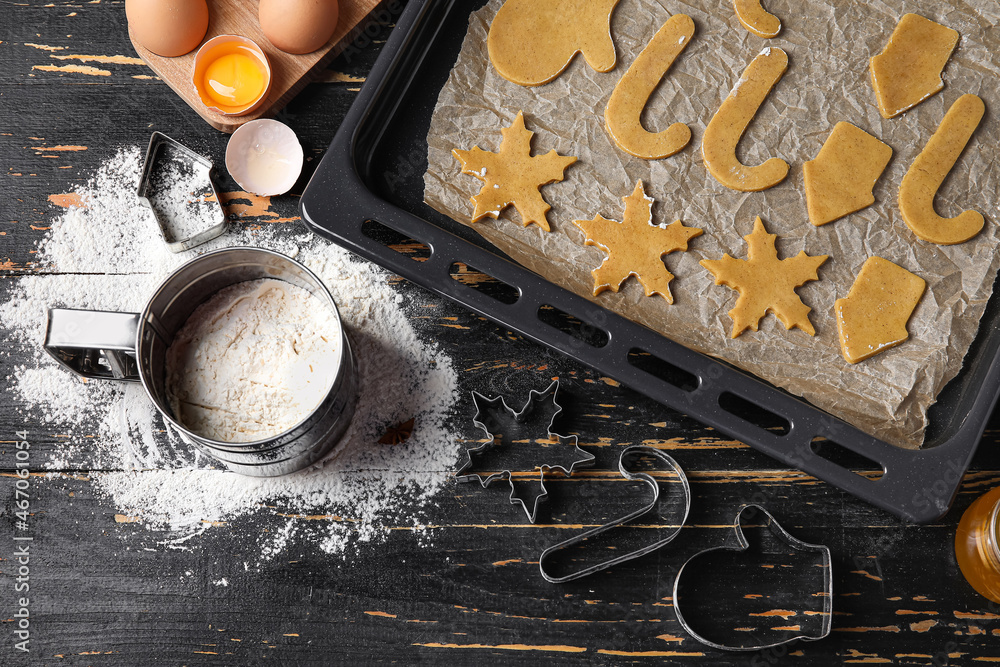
(743, 545)
(627, 453)
(586, 458)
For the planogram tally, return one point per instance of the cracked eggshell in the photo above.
(217, 47)
(265, 157)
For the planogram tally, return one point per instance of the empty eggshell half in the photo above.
(264, 157)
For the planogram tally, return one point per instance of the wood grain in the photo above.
(108, 590)
(289, 73)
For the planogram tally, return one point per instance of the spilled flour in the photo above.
(156, 479)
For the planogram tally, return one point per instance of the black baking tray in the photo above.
(373, 171)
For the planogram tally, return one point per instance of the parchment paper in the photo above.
(827, 81)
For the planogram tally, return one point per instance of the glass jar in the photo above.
(977, 545)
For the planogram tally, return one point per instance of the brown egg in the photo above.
(168, 27)
(298, 26)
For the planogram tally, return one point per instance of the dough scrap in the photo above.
(513, 176)
(635, 247)
(726, 128)
(873, 316)
(531, 42)
(622, 115)
(765, 283)
(931, 167)
(756, 19)
(841, 178)
(908, 70)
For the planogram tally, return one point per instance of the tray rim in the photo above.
(917, 485)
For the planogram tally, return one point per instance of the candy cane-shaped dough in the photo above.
(726, 128)
(931, 167)
(756, 19)
(622, 116)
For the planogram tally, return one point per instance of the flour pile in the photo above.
(366, 490)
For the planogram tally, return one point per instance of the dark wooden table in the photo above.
(68, 77)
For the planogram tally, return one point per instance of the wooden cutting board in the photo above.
(289, 73)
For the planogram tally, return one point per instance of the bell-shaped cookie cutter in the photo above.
(158, 144)
(585, 458)
(627, 453)
(743, 545)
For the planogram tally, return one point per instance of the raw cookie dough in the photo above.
(756, 19)
(622, 116)
(513, 175)
(873, 316)
(635, 247)
(931, 167)
(841, 178)
(532, 42)
(730, 122)
(908, 70)
(766, 284)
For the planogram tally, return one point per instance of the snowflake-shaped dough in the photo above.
(513, 175)
(635, 246)
(766, 284)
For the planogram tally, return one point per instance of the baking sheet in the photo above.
(827, 81)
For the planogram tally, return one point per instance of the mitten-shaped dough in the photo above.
(532, 41)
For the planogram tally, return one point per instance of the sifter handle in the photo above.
(93, 343)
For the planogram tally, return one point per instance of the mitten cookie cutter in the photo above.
(743, 545)
(628, 452)
(483, 403)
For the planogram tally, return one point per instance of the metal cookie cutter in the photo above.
(651, 508)
(503, 419)
(164, 149)
(742, 545)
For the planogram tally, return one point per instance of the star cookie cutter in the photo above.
(487, 408)
(742, 545)
(650, 508)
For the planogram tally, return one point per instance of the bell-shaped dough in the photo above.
(908, 70)
(873, 316)
(841, 179)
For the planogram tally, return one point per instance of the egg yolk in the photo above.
(236, 78)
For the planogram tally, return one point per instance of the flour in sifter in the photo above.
(252, 361)
(363, 493)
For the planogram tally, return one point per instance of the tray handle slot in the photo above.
(416, 250)
(841, 456)
(754, 414)
(484, 283)
(571, 325)
(663, 370)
